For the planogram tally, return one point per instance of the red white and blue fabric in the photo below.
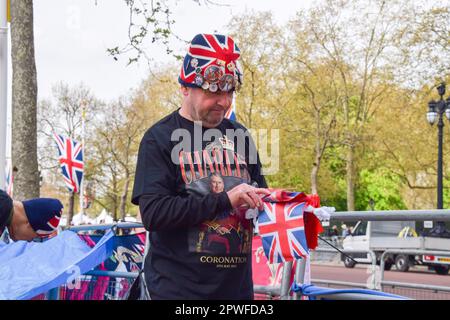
(9, 180)
(231, 113)
(208, 49)
(71, 161)
(287, 231)
(44, 215)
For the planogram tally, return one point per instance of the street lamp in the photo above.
(372, 204)
(436, 109)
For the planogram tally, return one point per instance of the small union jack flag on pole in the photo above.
(282, 226)
(71, 161)
(231, 113)
(9, 179)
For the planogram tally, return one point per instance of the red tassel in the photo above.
(312, 229)
(312, 224)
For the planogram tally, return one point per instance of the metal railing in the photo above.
(283, 290)
(415, 286)
(409, 252)
(334, 283)
(61, 293)
(98, 285)
(120, 225)
(394, 215)
(417, 291)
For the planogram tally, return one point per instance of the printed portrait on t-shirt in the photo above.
(229, 233)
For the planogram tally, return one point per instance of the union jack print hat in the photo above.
(43, 214)
(211, 64)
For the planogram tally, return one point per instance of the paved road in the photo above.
(360, 274)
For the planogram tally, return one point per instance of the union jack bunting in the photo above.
(71, 161)
(284, 226)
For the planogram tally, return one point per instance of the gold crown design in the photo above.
(226, 143)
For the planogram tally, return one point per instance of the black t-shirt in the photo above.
(6, 206)
(200, 248)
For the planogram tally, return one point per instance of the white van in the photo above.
(380, 236)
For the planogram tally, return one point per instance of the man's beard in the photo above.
(211, 119)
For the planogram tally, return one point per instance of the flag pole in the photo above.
(83, 118)
(4, 17)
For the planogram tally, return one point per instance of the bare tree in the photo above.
(317, 86)
(116, 148)
(150, 22)
(64, 116)
(358, 41)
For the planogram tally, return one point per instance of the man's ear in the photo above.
(184, 91)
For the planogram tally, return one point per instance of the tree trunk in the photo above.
(114, 209)
(317, 156)
(123, 198)
(314, 174)
(24, 101)
(71, 208)
(315, 167)
(350, 178)
(114, 197)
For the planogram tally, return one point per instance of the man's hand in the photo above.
(245, 195)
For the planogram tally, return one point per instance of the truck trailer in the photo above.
(379, 236)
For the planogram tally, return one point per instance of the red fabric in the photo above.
(265, 273)
(312, 224)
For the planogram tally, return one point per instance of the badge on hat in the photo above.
(231, 66)
(226, 83)
(213, 87)
(213, 74)
(194, 63)
(199, 80)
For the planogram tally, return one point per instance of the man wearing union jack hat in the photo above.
(178, 158)
(30, 219)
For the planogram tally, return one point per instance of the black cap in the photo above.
(6, 206)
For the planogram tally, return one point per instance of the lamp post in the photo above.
(436, 110)
(372, 204)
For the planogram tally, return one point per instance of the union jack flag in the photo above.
(71, 161)
(231, 113)
(208, 48)
(282, 226)
(9, 179)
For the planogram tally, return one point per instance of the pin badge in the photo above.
(205, 85)
(198, 80)
(213, 87)
(213, 74)
(194, 63)
(220, 62)
(226, 83)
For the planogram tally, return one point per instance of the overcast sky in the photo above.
(71, 38)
